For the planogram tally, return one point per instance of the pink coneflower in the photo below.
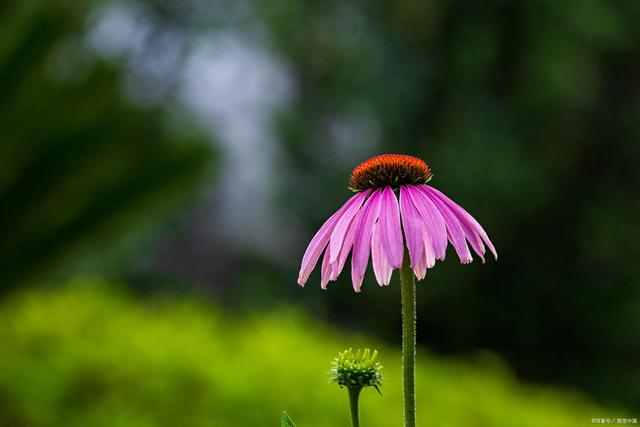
(393, 208)
(408, 234)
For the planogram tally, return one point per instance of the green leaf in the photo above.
(286, 420)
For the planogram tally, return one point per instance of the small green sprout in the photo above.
(286, 420)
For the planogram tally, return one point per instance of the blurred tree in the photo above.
(80, 168)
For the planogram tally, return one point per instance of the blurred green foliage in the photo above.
(80, 168)
(88, 355)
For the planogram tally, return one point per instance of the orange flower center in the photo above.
(389, 170)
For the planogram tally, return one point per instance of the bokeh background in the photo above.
(163, 165)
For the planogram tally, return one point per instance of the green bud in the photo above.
(357, 369)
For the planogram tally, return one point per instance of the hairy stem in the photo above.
(408, 287)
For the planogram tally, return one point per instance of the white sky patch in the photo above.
(234, 87)
(122, 31)
(119, 30)
(232, 84)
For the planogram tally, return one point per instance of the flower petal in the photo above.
(420, 269)
(347, 245)
(427, 260)
(390, 229)
(413, 225)
(468, 222)
(320, 241)
(433, 220)
(342, 226)
(325, 270)
(362, 239)
(429, 254)
(381, 267)
(454, 229)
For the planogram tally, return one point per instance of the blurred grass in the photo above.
(91, 355)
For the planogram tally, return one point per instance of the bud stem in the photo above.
(408, 289)
(354, 396)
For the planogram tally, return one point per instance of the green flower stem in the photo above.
(408, 341)
(354, 396)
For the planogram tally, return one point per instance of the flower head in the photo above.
(357, 369)
(393, 207)
(391, 170)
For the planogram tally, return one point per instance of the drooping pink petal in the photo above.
(342, 226)
(454, 229)
(381, 267)
(390, 229)
(362, 239)
(429, 254)
(469, 223)
(325, 270)
(321, 239)
(413, 225)
(472, 237)
(420, 269)
(432, 218)
(347, 245)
